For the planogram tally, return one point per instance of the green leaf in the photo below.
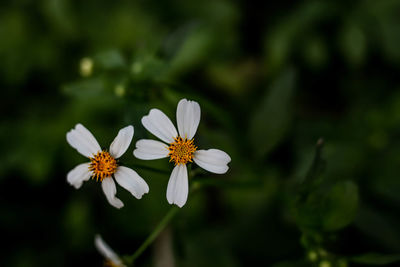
(315, 52)
(353, 43)
(194, 50)
(272, 118)
(342, 204)
(377, 225)
(85, 88)
(148, 67)
(299, 263)
(329, 209)
(109, 59)
(376, 258)
(282, 40)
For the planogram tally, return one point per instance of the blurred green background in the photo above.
(271, 78)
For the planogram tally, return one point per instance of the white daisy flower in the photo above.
(179, 147)
(112, 259)
(104, 164)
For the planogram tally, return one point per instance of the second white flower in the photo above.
(179, 147)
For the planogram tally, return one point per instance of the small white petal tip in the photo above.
(212, 160)
(122, 141)
(188, 118)
(83, 141)
(147, 149)
(157, 123)
(178, 186)
(78, 175)
(131, 181)
(110, 190)
(106, 251)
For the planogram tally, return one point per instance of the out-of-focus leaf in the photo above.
(278, 48)
(85, 88)
(147, 68)
(386, 19)
(109, 60)
(271, 119)
(280, 42)
(76, 221)
(342, 204)
(377, 226)
(353, 43)
(315, 52)
(391, 37)
(15, 61)
(234, 79)
(329, 211)
(291, 264)
(376, 259)
(59, 14)
(194, 50)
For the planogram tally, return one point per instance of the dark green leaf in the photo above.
(85, 88)
(272, 118)
(329, 210)
(109, 59)
(376, 258)
(341, 206)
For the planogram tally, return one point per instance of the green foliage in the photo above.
(329, 209)
(271, 120)
(341, 206)
(271, 80)
(376, 259)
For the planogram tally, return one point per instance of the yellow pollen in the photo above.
(102, 165)
(181, 150)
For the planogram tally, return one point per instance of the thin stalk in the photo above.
(318, 163)
(159, 228)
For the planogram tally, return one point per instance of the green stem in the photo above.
(318, 162)
(159, 228)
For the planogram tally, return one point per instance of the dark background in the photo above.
(271, 79)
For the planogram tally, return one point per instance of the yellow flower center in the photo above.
(102, 165)
(181, 150)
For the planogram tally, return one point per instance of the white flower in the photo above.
(179, 147)
(103, 164)
(112, 259)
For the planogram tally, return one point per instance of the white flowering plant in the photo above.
(209, 133)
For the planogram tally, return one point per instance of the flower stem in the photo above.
(159, 228)
(318, 163)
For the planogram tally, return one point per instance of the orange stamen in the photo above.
(102, 165)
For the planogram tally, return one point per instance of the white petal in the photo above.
(78, 175)
(160, 125)
(178, 186)
(150, 149)
(121, 142)
(82, 140)
(131, 181)
(188, 118)
(110, 190)
(212, 160)
(106, 251)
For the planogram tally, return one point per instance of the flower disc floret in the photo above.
(102, 165)
(181, 150)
